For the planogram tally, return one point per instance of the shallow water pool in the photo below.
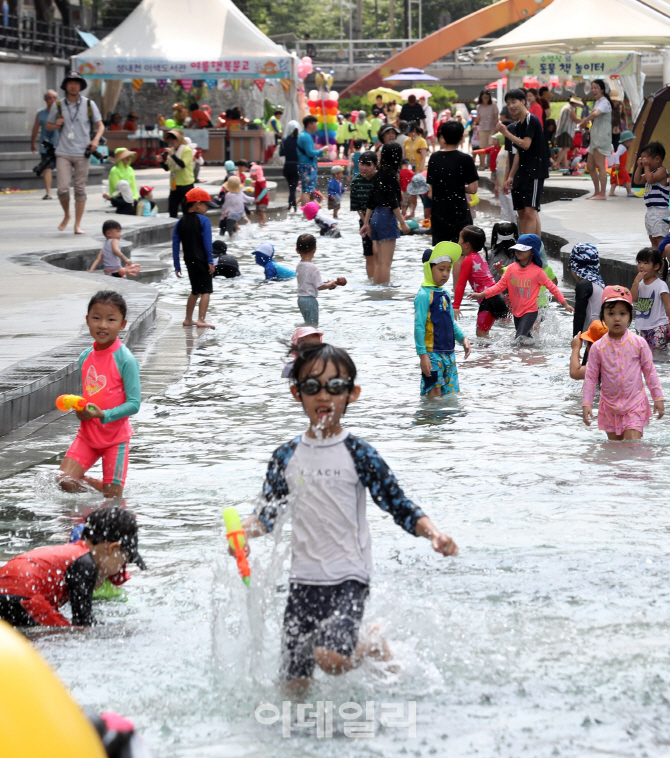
(548, 635)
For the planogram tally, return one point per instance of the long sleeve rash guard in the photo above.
(523, 284)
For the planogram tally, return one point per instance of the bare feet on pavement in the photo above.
(204, 325)
(63, 224)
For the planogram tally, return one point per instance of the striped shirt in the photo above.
(656, 195)
(359, 193)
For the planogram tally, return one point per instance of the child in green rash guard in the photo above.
(435, 329)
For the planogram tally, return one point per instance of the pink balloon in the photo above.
(332, 154)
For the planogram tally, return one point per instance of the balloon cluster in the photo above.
(505, 66)
(304, 67)
(324, 106)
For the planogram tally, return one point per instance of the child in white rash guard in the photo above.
(322, 476)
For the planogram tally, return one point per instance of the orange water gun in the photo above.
(70, 403)
(237, 540)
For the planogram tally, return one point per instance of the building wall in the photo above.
(22, 88)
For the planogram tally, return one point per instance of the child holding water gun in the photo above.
(110, 379)
(618, 361)
(523, 280)
(323, 474)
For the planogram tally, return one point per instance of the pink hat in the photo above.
(304, 331)
(257, 171)
(310, 210)
(616, 292)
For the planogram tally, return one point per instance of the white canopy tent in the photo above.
(189, 39)
(571, 27)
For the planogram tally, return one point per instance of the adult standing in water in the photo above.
(487, 118)
(383, 213)
(307, 159)
(451, 174)
(530, 168)
(74, 117)
(600, 145)
(289, 149)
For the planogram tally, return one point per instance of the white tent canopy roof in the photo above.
(568, 26)
(189, 39)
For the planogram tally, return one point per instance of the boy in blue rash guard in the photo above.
(322, 476)
(264, 255)
(194, 233)
(435, 329)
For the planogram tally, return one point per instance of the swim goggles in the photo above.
(334, 386)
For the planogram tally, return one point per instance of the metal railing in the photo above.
(26, 35)
(368, 51)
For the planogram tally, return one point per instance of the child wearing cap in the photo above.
(234, 206)
(327, 225)
(523, 280)
(224, 264)
(578, 365)
(618, 361)
(335, 190)
(309, 280)
(302, 336)
(264, 255)
(652, 307)
(146, 205)
(34, 585)
(435, 329)
(193, 232)
(261, 197)
(585, 267)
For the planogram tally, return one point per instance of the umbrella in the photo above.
(411, 75)
(416, 91)
(388, 95)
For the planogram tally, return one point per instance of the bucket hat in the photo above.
(74, 76)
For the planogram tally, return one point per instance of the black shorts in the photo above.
(367, 241)
(447, 231)
(199, 276)
(528, 194)
(320, 616)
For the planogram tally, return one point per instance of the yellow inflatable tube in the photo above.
(38, 718)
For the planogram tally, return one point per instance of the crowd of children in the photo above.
(330, 568)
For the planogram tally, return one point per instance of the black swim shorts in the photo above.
(199, 276)
(320, 616)
(527, 193)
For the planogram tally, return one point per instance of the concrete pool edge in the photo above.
(28, 387)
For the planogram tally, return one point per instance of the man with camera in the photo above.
(48, 141)
(74, 116)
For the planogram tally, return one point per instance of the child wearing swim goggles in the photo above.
(323, 474)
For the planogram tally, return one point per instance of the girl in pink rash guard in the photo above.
(110, 378)
(619, 360)
(475, 269)
(523, 280)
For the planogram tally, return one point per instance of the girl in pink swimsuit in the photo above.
(619, 360)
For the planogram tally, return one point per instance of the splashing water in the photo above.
(546, 636)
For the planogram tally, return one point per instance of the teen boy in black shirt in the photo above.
(531, 162)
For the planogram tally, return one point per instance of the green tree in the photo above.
(441, 97)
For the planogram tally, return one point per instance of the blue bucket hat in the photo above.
(585, 262)
(530, 242)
